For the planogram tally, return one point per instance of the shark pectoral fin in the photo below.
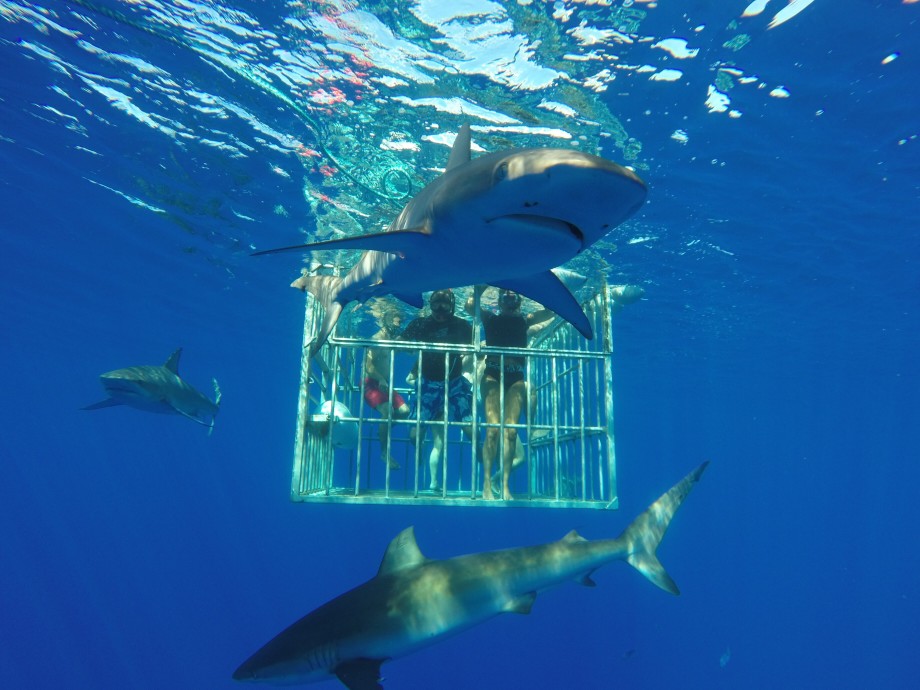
(391, 242)
(572, 280)
(108, 402)
(412, 300)
(549, 291)
(522, 604)
(172, 363)
(360, 674)
(333, 312)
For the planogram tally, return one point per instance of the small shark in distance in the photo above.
(159, 389)
(415, 601)
(503, 219)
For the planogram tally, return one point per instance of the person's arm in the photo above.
(473, 300)
(539, 319)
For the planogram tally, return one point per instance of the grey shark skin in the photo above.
(504, 219)
(414, 601)
(159, 389)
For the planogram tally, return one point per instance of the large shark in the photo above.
(415, 601)
(504, 219)
(159, 389)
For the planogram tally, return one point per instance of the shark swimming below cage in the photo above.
(348, 452)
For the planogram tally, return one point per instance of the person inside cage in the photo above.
(504, 374)
(377, 381)
(442, 326)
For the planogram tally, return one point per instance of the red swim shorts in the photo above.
(375, 397)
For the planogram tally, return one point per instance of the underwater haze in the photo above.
(148, 147)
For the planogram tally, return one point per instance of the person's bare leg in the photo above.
(514, 403)
(384, 410)
(532, 414)
(492, 397)
(434, 459)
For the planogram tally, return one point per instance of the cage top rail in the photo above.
(477, 349)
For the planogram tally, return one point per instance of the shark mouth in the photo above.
(120, 387)
(554, 224)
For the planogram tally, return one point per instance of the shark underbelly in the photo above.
(481, 253)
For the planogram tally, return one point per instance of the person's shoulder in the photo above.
(414, 326)
(462, 324)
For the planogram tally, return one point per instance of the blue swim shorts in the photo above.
(459, 400)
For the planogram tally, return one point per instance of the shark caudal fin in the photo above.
(646, 531)
(217, 396)
(326, 290)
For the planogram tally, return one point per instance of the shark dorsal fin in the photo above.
(403, 552)
(173, 362)
(573, 536)
(460, 151)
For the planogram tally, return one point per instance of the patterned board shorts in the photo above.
(459, 400)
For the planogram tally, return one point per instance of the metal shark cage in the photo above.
(567, 433)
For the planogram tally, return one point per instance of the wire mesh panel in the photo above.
(351, 448)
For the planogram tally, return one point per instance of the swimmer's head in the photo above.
(509, 300)
(442, 302)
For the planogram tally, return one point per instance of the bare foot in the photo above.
(508, 496)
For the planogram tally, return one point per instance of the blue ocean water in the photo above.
(147, 148)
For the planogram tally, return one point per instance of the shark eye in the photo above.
(501, 172)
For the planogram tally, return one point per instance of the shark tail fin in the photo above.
(646, 532)
(217, 396)
(326, 290)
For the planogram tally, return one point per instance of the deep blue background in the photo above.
(136, 552)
